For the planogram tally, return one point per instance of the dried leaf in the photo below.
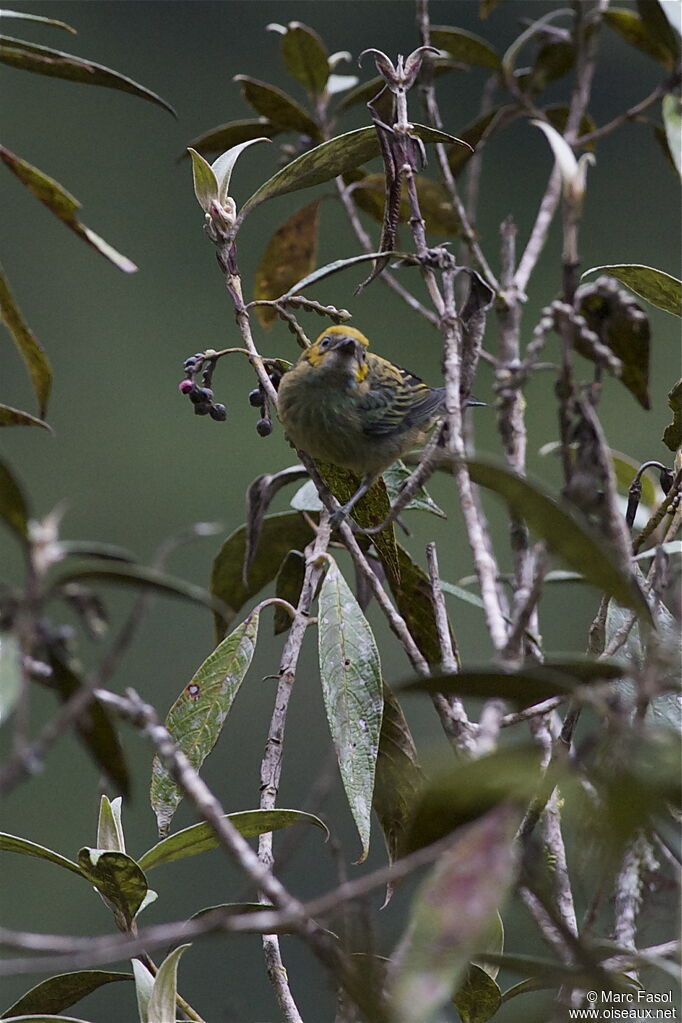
(289, 255)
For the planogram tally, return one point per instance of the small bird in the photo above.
(343, 404)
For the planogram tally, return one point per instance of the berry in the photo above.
(202, 408)
(218, 412)
(256, 397)
(185, 386)
(201, 395)
(264, 427)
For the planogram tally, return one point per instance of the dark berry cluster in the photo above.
(201, 397)
(258, 399)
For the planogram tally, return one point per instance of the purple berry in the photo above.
(185, 386)
(218, 412)
(256, 397)
(202, 408)
(264, 427)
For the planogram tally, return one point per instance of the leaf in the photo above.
(465, 46)
(38, 18)
(225, 136)
(289, 255)
(343, 264)
(566, 535)
(279, 108)
(30, 349)
(259, 497)
(434, 201)
(554, 60)
(525, 686)
(288, 587)
(625, 470)
(477, 133)
(280, 534)
(305, 57)
(43, 60)
(365, 92)
(452, 910)
(16, 417)
(509, 57)
(350, 670)
(478, 997)
(630, 27)
(13, 508)
(161, 1006)
(118, 879)
(201, 837)
(141, 577)
(557, 115)
(328, 160)
(672, 435)
(57, 993)
(196, 719)
(225, 164)
(395, 476)
(655, 286)
(109, 825)
(672, 123)
(411, 589)
(205, 182)
(95, 727)
(10, 674)
(462, 594)
(306, 498)
(468, 790)
(144, 982)
(398, 776)
(654, 16)
(45, 1019)
(12, 843)
(62, 204)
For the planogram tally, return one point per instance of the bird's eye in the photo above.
(325, 342)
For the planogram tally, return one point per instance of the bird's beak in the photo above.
(343, 344)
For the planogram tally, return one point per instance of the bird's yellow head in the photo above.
(339, 348)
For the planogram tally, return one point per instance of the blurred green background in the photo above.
(134, 466)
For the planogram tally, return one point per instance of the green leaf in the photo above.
(352, 691)
(144, 982)
(95, 727)
(280, 534)
(305, 57)
(434, 201)
(622, 325)
(655, 18)
(45, 1019)
(523, 687)
(225, 164)
(161, 1006)
(461, 593)
(225, 136)
(12, 843)
(30, 349)
(625, 469)
(118, 879)
(306, 499)
(37, 17)
(16, 417)
(13, 507)
(411, 588)
(399, 777)
(43, 60)
(394, 478)
(201, 837)
(110, 826)
(362, 93)
(672, 435)
(288, 586)
(57, 993)
(196, 719)
(205, 182)
(572, 539)
(509, 57)
(478, 997)
(10, 674)
(141, 577)
(557, 115)
(465, 46)
(477, 133)
(451, 912)
(343, 264)
(630, 27)
(554, 60)
(328, 160)
(289, 255)
(62, 204)
(279, 108)
(655, 286)
(671, 109)
(469, 789)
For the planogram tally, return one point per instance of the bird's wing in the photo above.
(399, 402)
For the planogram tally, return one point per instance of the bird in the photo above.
(343, 404)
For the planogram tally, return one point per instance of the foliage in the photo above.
(489, 828)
